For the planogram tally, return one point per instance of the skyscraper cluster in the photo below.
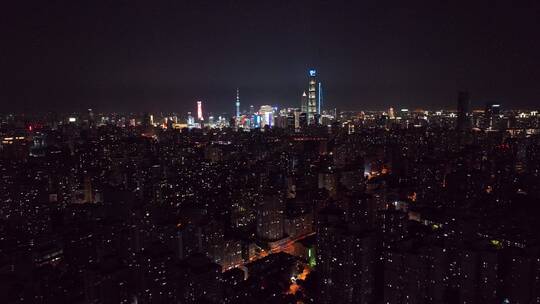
(309, 112)
(391, 206)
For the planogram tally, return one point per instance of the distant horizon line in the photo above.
(142, 112)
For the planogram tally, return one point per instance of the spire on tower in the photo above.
(303, 103)
(237, 102)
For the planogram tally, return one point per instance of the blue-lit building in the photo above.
(313, 98)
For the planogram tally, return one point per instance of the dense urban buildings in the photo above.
(269, 152)
(273, 206)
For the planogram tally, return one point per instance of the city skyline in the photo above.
(311, 103)
(271, 208)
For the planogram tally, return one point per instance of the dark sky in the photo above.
(164, 55)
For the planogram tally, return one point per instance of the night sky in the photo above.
(165, 55)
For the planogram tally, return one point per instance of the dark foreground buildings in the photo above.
(365, 207)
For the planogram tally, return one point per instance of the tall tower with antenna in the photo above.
(313, 98)
(199, 111)
(237, 103)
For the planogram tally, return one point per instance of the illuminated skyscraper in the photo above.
(391, 113)
(303, 102)
(199, 111)
(237, 103)
(492, 116)
(313, 96)
(267, 116)
(190, 120)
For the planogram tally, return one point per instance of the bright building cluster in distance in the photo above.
(272, 205)
(309, 113)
